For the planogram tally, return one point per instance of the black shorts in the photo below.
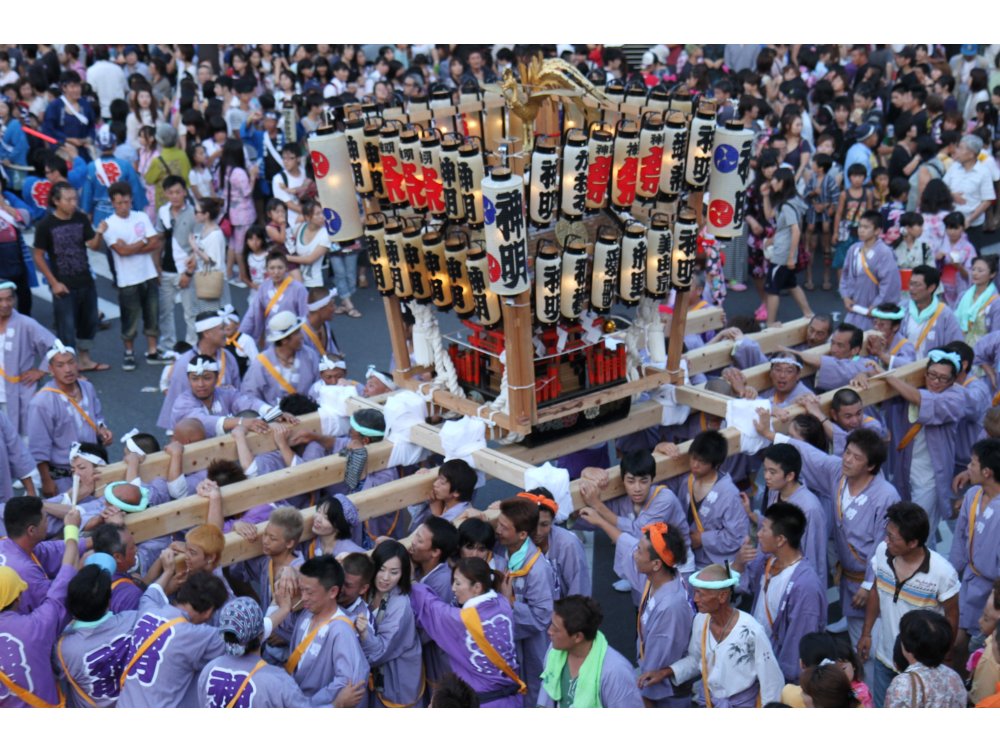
(780, 278)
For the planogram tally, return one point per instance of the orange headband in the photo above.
(659, 541)
(541, 501)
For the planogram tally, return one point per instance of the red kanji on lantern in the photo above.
(414, 185)
(494, 269)
(625, 182)
(321, 165)
(394, 188)
(649, 170)
(433, 190)
(598, 177)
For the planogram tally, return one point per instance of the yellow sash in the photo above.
(246, 681)
(930, 324)
(15, 379)
(314, 337)
(30, 698)
(472, 622)
(527, 567)
(277, 295)
(69, 677)
(390, 704)
(146, 644)
(694, 506)
(75, 405)
(864, 266)
(638, 618)
(908, 437)
(115, 584)
(972, 529)
(293, 661)
(274, 373)
(897, 347)
(368, 531)
(704, 667)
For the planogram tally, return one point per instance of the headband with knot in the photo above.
(129, 443)
(74, 451)
(659, 542)
(541, 501)
(58, 347)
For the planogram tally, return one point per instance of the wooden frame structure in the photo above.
(507, 463)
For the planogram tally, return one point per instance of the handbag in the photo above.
(225, 224)
(208, 284)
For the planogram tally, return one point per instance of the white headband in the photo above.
(8, 285)
(786, 361)
(74, 451)
(373, 372)
(129, 443)
(228, 314)
(323, 302)
(202, 367)
(331, 364)
(58, 347)
(201, 326)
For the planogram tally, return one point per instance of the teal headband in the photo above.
(366, 431)
(728, 583)
(109, 496)
(937, 355)
(882, 315)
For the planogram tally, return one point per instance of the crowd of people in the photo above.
(876, 163)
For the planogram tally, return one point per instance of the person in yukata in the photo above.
(433, 545)
(318, 329)
(477, 635)
(286, 366)
(836, 369)
(788, 598)
(211, 405)
(279, 293)
(978, 393)
(210, 328)
(716, 520)
(15, 464)
(782, 469)
(359, 573)
(388, 633)
(663, 627)
(326, 659)
(561, 547)
(921, 418)
(171, 643)
(581, 669)
(451, 493)
(528, 585)
(644, 502)
(66, 411)
(332, 530)
(977, 538)
(906, 576)
(929, 322)
(871, 275)
(785, 385)
(847, 413)
(28, 637)
(86, 461)
(890, 348)
(118, 542)
(23, 344)
(728, 649)
(860, 497)
(92, 651)
(240, 678)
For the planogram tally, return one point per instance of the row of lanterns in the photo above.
(426, 266)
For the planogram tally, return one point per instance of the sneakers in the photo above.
(622, 585)
(735, 286)
(237, 282)
(128, 362)
(156, 358)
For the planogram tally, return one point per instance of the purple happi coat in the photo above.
(392, 648)
(55, 424)
(979, 569)
(836, 373)
(723, 518)
(226, 402)
(36, 569)
(436, 663)
(268, 687)
(179, 383)
(856, 283)
(295, 299)
(568, 559)
(618, 685)
(331, 662)
(260, 384)
(817, 528)
(95, 655)
(23, 348)
(943, 332)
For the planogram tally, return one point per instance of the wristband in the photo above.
(71, 533)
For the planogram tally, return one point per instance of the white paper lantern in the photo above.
(574, 279)
(651, 144)
(675, 135)
(599, 163)
(392, 168)
(409, 160)
(573, 187)
(548, 282)
(455, 251)
(454, 205)
(625, 168)
(487, 301)
(354, 132)
(668, 205)
(335, 185)
(443, 111)
(683, 103)
(636, 93)
(659, 253)
(430, 171)
(470, 124)
(436, 264)
(505, 232)
(729, 179)
(607, 261)
(658, 99)
(370, 143)
(374, 242)
(699, 150)
(413, 257)
(685, 249)
(543, 194)
(494, 128)
(615, 91)
(398, 269)
(470, 174)
(632, 275)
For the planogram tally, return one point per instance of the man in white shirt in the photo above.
(132, 239)
(971, 187)
(289, 184)
(107, 79)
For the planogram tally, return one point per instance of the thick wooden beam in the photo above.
(397, 336)
(520, 361)
(198, 456)
(653, 378)
(461, 405)
(713, 356)
(700, 321)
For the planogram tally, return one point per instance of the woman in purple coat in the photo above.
(478, 635)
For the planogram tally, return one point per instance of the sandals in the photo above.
(827, 286)
(353, 312)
